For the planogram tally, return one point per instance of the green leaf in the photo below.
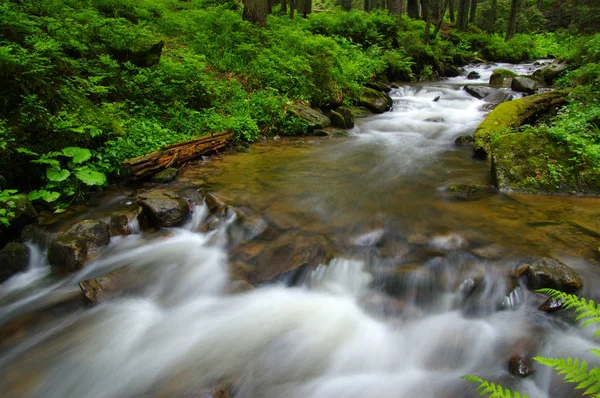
(50, 162)
(27, 152)
(90, 177)
(79, 155)
(47, 196)
(57, 175)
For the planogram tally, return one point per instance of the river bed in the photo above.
(378, 306)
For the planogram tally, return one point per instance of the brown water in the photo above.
(376, 264)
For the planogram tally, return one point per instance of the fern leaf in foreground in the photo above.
(491, 389)
(575, 372)
(585, 309)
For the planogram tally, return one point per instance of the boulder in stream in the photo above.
(112, 285)
(72, 249)
(314, 117)
(379, 86)
(488, 94)
(502, 77)
(464, 140)
(337, 120)
(346, 113)
(523, 84)
(164, 207)
(376, 101)
(551, 273)
(473, 75)
(550, 72)
(14, 258)
(164, 176)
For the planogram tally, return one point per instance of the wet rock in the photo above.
(110, 286)
(379, 86)
(72, 249)
(448, 242)
(550, 72)
(330, 132)
(451, 71)
(315, 118)
(14, 258)
(337, 120)
(489, 252)
(464, 140)
(167, 175)
(479, 92)
(359, 111)
(473, 75)
(523, 84)
(348, 116)
(502, 77)
(554, 274)
(376, 101)
(469, 191)
(164, 207)
(550, 305)
(320, 133)
(498, 96)
(119, 221)
(520, 365)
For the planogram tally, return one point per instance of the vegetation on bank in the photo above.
(89, 84)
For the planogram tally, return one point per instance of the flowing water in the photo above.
(371, 280)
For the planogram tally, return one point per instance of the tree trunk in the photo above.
(491, 17)
(439, 22)
(255, 11)
(396, 7)
(270, 5)
(427, 17)
(451, 10)
(292, 8)
(283, 7)
(346, 5)
(304, 7)
(511, 26)
(473, 11)
(462, 17)
(412, 8)
(540, 4)
(435, 6)
(175, 155)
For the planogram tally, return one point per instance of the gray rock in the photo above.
(473, 75)
(314, 117)
(498, 96)
(376, 101)
(549, 73)
(379, 86)
(479, 92)
(72, 249)
(346, 113)
(523, 84)
(167, 175)
(164, 207)
(14, 258)
(554, 274)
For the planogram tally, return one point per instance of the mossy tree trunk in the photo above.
(462, 17)
(441, 19)
(283, 7)
(304, 7)
(292, 8)
(256, 11)
(346, 5)
(396, 7)
(511, 26)
(473, 12)
(427, 17)
(490, 23)
(451, 10)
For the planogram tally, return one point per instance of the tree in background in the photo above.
(304, 7)
(346, 5)
(256, 11)
(462, 17)
(412, 8)
(511, 26)
(473, 11)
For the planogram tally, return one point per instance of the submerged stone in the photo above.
(167, 175)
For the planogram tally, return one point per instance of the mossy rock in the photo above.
(502, 77)
(374, 100)
(530, 161)
(337, 120)
(14, 258)
(513, 114)
(359, 111)
(164, 208)
(164, 176)
(313, 117)
(348, 116)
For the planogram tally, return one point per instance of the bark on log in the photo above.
(174, 155)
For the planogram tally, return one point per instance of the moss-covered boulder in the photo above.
(314, 118)
(502, 77)
(550, 72)
(337, 120)
(72, 249)
(164, 208)
(14, 258)
(374, 100)
(346, 113)
(358, 111)
(531, 161)
(164, 176)
(512, 114)
(554, 274)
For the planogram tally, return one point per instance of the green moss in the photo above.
(531, 161)
(513, 114)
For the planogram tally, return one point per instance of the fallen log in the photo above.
(174, 155)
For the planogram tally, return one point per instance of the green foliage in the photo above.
(586, 310)
(492, 390)
(7, 204)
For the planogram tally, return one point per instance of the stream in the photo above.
(371, 279)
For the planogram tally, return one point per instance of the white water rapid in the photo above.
(334, 335)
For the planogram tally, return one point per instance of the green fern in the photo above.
(493, 390)
(576, 372)
(585, 309)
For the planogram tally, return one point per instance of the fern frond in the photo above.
(575, 372)
(585, 309)
(491, 389)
